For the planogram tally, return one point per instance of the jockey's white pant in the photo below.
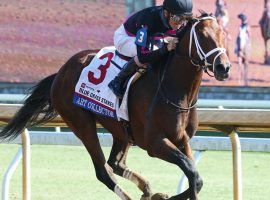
(124, 43)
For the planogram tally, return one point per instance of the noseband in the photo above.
(203, 63)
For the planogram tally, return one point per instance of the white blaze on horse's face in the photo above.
(208, 39)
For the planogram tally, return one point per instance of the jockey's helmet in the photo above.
(179, 7)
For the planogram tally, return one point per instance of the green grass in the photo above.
(67, 173)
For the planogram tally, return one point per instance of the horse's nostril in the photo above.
(220, 67)
(228, 69)
(223, 68)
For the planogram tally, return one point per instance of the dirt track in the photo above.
(37, 37)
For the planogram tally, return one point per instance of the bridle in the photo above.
(203, 63)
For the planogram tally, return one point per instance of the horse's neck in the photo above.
(182, 79)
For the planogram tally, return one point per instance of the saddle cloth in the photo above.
(92, 92)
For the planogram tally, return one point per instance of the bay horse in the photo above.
(162, 107)
(265, 29)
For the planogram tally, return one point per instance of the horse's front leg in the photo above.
(164, 149)
(117, 161)
(190, 131)
(188, 152)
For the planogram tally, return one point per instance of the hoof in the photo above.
(159, 196)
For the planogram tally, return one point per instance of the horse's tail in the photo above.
(38, 102)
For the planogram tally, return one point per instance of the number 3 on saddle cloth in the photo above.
(92, 92)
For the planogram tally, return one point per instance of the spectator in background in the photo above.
(222, 16)
(265, 29)
(265, 3)
(243, 48)
(266, 13)
(222, 13)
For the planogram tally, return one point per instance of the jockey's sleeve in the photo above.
(146, 56)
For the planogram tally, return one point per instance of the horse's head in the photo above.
(206, 46)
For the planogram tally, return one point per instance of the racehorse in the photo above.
(162, 107)
(265, 29)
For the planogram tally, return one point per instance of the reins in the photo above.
(167, 100)
(159, 90)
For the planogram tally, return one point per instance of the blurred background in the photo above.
(37, 37)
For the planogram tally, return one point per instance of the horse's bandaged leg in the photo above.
(129, 175)
(138, 180)
(121, 193)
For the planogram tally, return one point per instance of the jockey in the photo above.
(132, 39)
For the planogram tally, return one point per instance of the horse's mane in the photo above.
(205, 14)
(192, 20)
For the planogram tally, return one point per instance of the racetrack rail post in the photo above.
(26, 165)
(10, 171)
(237, 166)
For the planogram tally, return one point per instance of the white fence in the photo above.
(202, 103)
(229, 121)
(198, 143)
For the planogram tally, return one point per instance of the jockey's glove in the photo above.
(171, 43)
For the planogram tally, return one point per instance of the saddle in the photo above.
(92, 92)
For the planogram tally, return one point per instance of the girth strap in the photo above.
(127, 128)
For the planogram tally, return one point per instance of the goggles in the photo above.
(178, 18)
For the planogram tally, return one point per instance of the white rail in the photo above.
(229, 121)
(202, 103)
(10, 171)
(198, 143)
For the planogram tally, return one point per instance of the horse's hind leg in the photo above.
(85, 130)
(80, 121)
(117, 161)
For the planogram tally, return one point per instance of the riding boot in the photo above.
(117, 84)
